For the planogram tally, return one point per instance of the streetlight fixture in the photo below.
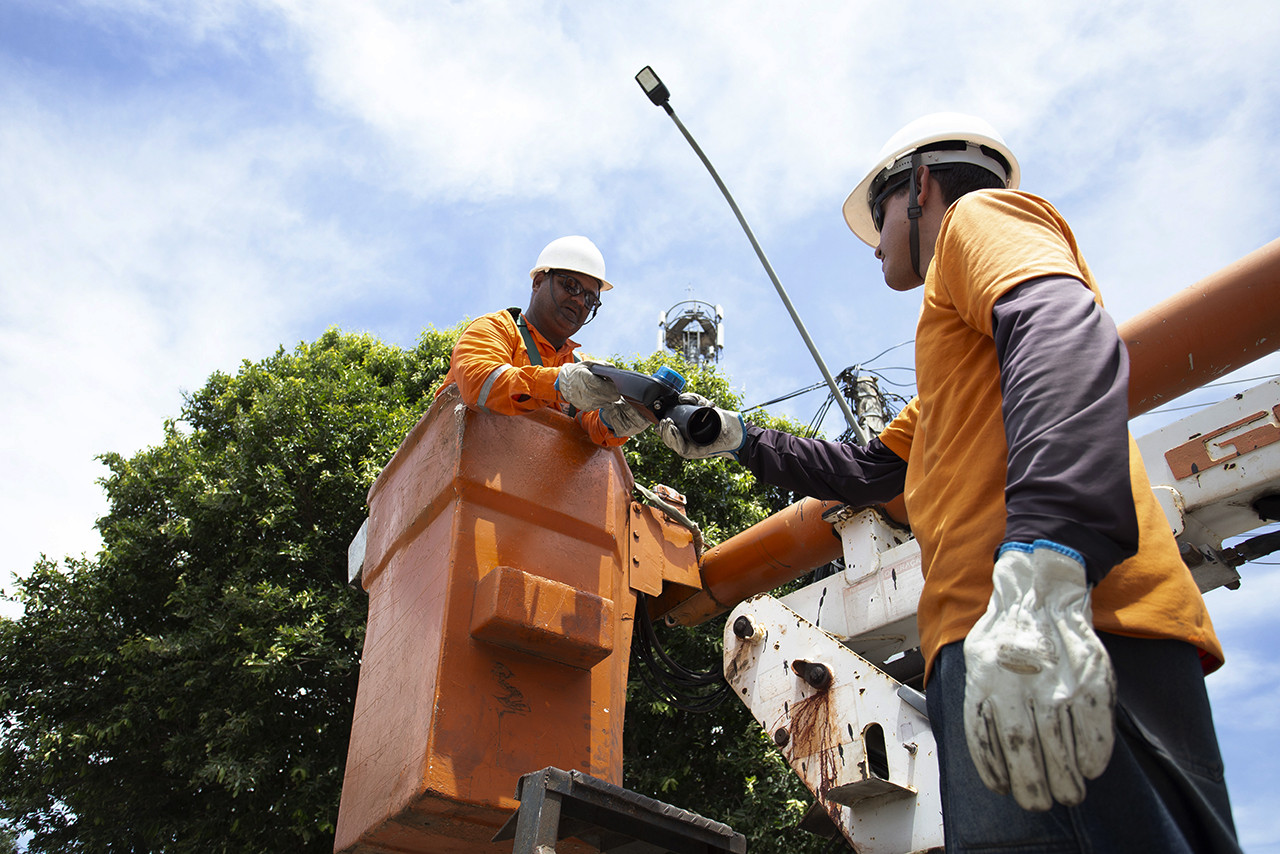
(661, 96)
(653, 87)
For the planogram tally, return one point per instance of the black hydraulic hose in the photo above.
(667, 679)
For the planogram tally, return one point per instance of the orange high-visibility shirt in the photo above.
(494, 373)
(952, 436)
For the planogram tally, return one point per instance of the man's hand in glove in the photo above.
(1039, 690)
(623, 419)
(581, 388)
(732, 433)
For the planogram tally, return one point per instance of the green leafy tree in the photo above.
(191, 688)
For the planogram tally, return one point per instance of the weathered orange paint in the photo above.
(784, 546)
(663, 559)
(527, 612)
(518, 528)
(1192, 458)
(1221, 323)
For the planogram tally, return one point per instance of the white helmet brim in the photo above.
(895, 159)
(575, 253)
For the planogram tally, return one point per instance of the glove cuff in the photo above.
(742, 435)
(1051, 574)
(1030, 548)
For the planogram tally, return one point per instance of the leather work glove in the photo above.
(623, 419)
(582, 389)
(1039, 692)
(732, 434)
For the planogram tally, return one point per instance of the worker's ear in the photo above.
(537, 280)
(923, 188)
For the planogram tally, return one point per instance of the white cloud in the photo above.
(140, 258)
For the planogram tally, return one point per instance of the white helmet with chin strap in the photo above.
(574, 253)
(972, 141)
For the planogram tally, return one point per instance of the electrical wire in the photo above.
(849, 377)
(1241, 380)
(890, 350)
(812, 429)
(878, 374)
(667, 679)
(813, 387)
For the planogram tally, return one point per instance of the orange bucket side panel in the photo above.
(499, 627)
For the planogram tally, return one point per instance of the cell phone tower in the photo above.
(694, 329)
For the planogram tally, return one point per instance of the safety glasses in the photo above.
(572, 287)
(877, 206)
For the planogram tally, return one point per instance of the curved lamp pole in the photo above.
(660, 95)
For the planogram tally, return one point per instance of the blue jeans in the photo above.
(1163, 790)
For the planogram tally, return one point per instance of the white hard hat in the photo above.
(575, 253)
(981, 142)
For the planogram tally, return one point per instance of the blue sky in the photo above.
(189, 185)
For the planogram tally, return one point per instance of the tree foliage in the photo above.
(8, 841)
(191, 688)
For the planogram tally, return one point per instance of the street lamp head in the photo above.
(653, 87)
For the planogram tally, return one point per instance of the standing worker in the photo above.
(1065, 642)
(510, 362)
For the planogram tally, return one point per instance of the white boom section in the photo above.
(871, 606)
(1209, 470)
(864, 750)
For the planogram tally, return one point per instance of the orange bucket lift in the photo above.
(501, 562)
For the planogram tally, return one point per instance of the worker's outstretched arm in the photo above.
(813, 467)
(825, 470)
(487, 378)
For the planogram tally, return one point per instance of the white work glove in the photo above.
(623, 419)
(1039, 691)
(583, 389)
(732, 434)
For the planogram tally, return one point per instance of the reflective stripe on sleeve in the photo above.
(483, 397)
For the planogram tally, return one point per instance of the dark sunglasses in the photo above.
(877, 206)
(573, 288)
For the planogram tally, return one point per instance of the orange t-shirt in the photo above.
(952, 436)
(493, 372)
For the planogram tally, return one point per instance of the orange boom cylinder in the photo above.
(1221, 323)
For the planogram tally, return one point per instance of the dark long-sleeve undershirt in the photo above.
(832, 471)
(1064, 382)
(1064, 376)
